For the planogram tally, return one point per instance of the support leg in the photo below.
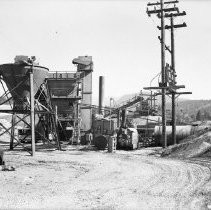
(32, 112)
(12, 131)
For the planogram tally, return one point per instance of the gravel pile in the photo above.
(198, 145)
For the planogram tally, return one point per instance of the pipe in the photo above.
(101, 94)
(123, 124)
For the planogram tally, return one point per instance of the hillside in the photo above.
(185, 108)
(192, 106)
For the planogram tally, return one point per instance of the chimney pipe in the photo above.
(123, 124)
(101, 94)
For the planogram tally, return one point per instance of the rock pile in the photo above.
(198, 145)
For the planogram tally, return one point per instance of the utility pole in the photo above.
(173, 109)
(163, 86)
(163, 75)
(168, 82)
(171, 27)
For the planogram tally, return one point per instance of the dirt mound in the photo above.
(197, 145)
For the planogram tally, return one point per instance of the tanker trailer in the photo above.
(182, 131)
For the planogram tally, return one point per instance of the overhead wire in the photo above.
(154, 78)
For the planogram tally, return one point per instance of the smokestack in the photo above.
(123, 124)
(101, 94)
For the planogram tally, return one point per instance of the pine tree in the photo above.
(199, 116)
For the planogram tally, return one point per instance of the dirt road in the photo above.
(76, 179)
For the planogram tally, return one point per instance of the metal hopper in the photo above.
(16, 77)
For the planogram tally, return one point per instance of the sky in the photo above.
(118, 34)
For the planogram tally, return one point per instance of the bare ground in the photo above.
(84, 179)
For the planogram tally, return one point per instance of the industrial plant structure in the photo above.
(46, 106)
(49, 107)
(71, 97)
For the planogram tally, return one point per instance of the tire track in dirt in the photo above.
(145, 182)
(98, 180)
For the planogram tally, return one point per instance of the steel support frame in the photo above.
(32, 110)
